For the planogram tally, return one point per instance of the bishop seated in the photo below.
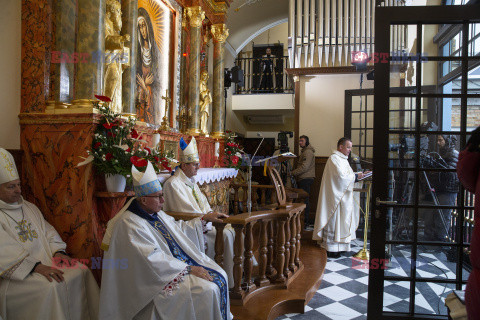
(168, 274)
(182, 194)
(38, 279)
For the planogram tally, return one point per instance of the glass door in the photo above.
(421, 217)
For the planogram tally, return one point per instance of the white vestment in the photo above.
(336, 220)
(154, 285)
(184, 195)
(28, 295)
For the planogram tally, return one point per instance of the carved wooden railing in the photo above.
(275, 233)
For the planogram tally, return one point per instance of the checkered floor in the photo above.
(343, 292)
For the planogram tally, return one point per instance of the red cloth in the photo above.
(468, 170)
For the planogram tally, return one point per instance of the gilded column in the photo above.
(129, 26)
(205, 48)
(195, 17)
(182, 118)
(91, 40)
(220, 34)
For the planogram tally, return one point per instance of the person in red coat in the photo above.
(468, 170)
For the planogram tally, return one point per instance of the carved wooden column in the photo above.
(293, 243)
(219, 244)
(220, 34)
(299, 236)
(280, 252)
(270, 250)
(249, 285)
(262, 259)
(195, 17)
(91, 39)
(129, 81)
(286, 271)
(237, 292)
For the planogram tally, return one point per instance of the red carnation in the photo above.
(111, 134)
(156, 158)
(97, 145)
(134, 134)
(129, 149)
(148, 150)
(108, 156)
(109, 125)
(234, 160)
(229, 152)
(103, 98)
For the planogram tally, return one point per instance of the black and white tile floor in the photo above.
(343, 292)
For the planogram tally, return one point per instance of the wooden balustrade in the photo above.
(276, 234)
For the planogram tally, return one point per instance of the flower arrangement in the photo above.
(117, 145)
(232, 154)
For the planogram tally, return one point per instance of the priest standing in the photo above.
(164, 274)
(38, 279)
(336, 220)
(182, 194)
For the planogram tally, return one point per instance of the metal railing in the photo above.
(264, 75)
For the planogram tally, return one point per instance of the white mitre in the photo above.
(189, 153)
(8, 170)
(144, 183)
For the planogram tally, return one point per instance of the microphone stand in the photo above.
(249, 178)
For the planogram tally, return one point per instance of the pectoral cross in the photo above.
(165, 125)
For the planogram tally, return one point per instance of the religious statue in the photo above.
(117, 54)
(205, 100)
(148, 83)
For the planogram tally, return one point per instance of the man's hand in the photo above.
(49, 273)
(201, 273)
(214, 217)
(60, 259)
(361, 175)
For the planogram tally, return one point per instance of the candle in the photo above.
(156, 139)
(217, 149)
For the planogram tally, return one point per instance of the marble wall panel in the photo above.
(37, 44)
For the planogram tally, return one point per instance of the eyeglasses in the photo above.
(157, 196)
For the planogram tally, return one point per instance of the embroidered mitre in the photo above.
(189, 153)
(8, 170)
(145, 183)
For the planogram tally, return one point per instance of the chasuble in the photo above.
(156, 284)
(26, 238)
(183, 194)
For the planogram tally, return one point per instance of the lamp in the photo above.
(360, 59)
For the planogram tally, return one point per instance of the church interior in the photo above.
(90, 88)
